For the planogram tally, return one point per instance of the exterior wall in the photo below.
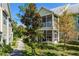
(76, 18)
(71, 9)
(77, 24)
(5, 6)
(1, 36)
(4, 25)
(0, 16)
(45, 12)
(7, 41)
(0, 19)
(10, 31)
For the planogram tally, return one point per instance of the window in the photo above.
(49, 18)
(47, 35)
(4, 21)
(4, 18)
(44, 21)
(44, 18)
(78, 37)
(4, 41)
(49, 24)
(0, 35)
(47, 21)
(78, 20)
(55, 34)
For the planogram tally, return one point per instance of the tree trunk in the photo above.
(65, 41)
(65, 37)
(64, 45)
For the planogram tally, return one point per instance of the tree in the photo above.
(32, 21)
(14, 27)
(66, 26)
(18, 30)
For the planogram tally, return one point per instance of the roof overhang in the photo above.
(44, 11)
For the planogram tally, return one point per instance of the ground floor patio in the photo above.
(50, 36)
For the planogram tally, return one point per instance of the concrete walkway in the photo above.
(18, 51)
(20, 45)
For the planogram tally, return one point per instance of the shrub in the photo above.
(14, 43)
(38, 51)
(28, 50)
(72, 52)
(7, 49)
(51, 53)
(26, 40)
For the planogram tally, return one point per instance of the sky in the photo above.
(15, 10)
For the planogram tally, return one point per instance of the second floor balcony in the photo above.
(47, 21)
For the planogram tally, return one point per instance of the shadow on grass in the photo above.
(75, 54)
(73, 42)
(54, 50)
(70, 47)
(50, 54)
(46, 46)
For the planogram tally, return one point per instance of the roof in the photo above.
(72, 9)
(45, 9)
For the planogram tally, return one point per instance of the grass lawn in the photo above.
(44, 49)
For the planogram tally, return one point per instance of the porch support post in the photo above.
(46, 29)
(52, 28)
(58, 30)
(7, 41)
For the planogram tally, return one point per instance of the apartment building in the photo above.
(48, 21)
(48, 27)
(6, 34)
